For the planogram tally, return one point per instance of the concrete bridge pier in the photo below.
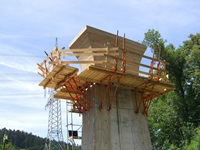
(118, 129)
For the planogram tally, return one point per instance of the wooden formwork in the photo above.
(69, 84)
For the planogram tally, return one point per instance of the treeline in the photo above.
(174, 119)
(22, 140)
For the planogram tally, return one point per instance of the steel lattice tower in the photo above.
(54, 139)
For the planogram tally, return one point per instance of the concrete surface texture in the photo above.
(118, 129)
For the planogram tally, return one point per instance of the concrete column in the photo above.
(118, 129)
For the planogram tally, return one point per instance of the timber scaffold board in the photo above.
(113, 69)
(101, 75)
(57, 76)
(94, 74)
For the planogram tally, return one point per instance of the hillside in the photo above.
(20, 140)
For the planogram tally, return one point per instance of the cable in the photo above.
(19, 80)
(20, 94)
(12, 55)
(28, 109)
(15, 73)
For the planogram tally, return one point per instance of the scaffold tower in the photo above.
(113, 91)
(54, 139)
(74, 127)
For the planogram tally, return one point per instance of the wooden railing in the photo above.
(112, 58)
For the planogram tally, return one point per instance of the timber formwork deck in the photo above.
(112, 65)
(98, 75)
(73, 86)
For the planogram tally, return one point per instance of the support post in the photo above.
(118, 129)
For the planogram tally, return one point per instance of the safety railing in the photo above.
(113, 58)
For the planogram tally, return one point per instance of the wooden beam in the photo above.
(131, 62)
(108, 71)
(41, 69)
(66, 97)
(89, 49)
(47, 57)
(41, 74)
(59, 84)
(87, 79)
(40, 66)
(79, 62)
(81, 54)
(130, 70)
(147, 57)
(64, 90)
(132, 52)
(54, 76)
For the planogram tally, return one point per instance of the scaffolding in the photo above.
(109, 61)
(74, 128)
(115, 64)
(115, 69)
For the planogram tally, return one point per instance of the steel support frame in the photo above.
(145, 100)
(110, 79)
(79, 101)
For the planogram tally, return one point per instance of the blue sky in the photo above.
(28, 28)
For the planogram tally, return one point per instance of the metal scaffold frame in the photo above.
(74, 130)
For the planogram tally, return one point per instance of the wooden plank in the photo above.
(144, 56)
(82, 54)
(87, 79)
(59, 84)
(128, 69)
(85, 73)
(100, 76)
(66, 97)
(40, 66)
(43, 82)
(79, 62)
(96, 68)
(131, 62)
(49, 66)
(132, 71)
(42, 70)
(90, 49)
(128, 82)
(64, 90)
(41, 74)
(132, 52)
(52, 79)
(47, 57)
(94, 74)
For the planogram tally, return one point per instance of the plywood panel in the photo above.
(58, 75)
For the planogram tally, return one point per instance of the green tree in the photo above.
(191, 50)
(175, 125)
(23, 140)
(154, 40)
(9, 146)
(195, 142)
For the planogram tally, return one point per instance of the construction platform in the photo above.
(105, 59)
